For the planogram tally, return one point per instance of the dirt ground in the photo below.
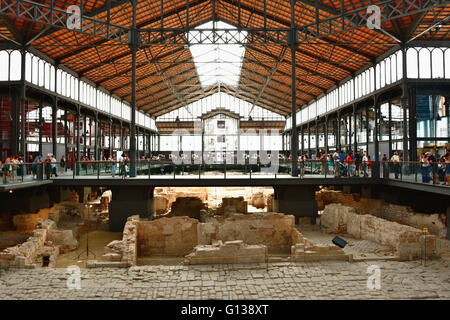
(97, 241)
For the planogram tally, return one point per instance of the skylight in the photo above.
(219, 62)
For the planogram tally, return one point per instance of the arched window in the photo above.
(58, 81)
(412, 70)
(41, 73)
(378, 76)
(28, 67)
(437, 63)
(73, 91)
(63, 83)
(83, 93)
(35, 72)
(15, 65)
(394, 68)
(52, 78)
(424, 63)
(4, 65)
(88, 95)
(382, 74)
(47, 75)
(94, 95)
(371, 74)
(388, 71)
(399, 56)
(363, 84)
(76, 82)
(447, 63)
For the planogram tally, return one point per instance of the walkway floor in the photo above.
(324, 280)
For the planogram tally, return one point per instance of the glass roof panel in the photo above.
(218, 63)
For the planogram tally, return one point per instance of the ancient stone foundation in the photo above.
(187, 206)
(41, 249)
(229, 252)
(238, 238)
(272, 230)
(231, 206)
(67, 210)
(175, 236)
(121, 253)
(408, 242)
(436, 223)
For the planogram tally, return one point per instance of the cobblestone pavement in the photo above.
(321, 280)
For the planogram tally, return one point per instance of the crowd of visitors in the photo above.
(11, 169)
(339, 163)
(432, 168)
(435, 169)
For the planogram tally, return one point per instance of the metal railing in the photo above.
(15, 173)
(251, 169)
(414, 171)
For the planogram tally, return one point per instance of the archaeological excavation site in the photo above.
(224, 150)
(217, 225)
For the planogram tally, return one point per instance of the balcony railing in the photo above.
(415, 172)
(437, 173)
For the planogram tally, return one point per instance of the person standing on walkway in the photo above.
(62, 164)
(425, 168)
(364, 163)
(433, 167)
(113, 166)
(396, 164)
(53, 165)
(447, 169)
(47, 166)
(123, 165)
(348, 164)
(14, 167)
(35, 164)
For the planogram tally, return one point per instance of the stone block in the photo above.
(175, 236)
(229, 252)
(64, 239)
(259, 200)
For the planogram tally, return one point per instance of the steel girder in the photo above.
(305, 34)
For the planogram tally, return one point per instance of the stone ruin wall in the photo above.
(45, 241)
(272, 230)
(407, 241)
(436, 223)
(175, 236)
(238, 238)
(257, 197)
(121, 253)
(66, 210)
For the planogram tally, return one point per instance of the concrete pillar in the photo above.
(59, 194)
(127, 202)
(299, 201)
(366, 192)
(83, 193)
(347, 189)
